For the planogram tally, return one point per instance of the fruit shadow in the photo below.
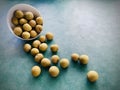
(78, 66)
(92, 85)
(49, 42)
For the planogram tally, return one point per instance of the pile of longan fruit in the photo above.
(26, 24)
(39, 46)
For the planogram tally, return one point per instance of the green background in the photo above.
(89, 27)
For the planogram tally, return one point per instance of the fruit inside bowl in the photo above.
(25, 21)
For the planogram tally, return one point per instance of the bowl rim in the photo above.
(8, 19)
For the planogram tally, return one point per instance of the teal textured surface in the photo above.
(89, 27)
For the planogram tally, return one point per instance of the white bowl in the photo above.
(23, 7)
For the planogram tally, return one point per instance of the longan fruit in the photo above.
(36, 71)
(43, 47)
(64, 63)
(54, 48)
(32, 23)
(27, 47)
(34, 51)
(17, 30)
(22, 21)
(92, 76)
(39, 57)
(25, 35)
(83, 59)
(55, 59)
(19, 14)
(39, 20)
(27, 27)
(45, 62)
(49, 36)
(75, 57)
(29, 15)
(33, 33)
(15, 21)
(36, 43)
(54, 71)
(42, 39)
(38, 28)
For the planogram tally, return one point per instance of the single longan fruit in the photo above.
(92, 76)
(33, 33)
(29, 15)
(27, 47)
(19, 14)
(32, 23)
(64, 63)
(25, 35)
(22, 21)
(27, 27)
(39, 57)
(17, 31)
(75, 57)
(39, 20)
(36, 43)
(55, 59)
(15, 21)
(43, 47)
(83, 59)
(36, 71)
(42, 39)
(45, 62)
(49, 36)
(54, 71)
(38, 28)
(34, 51)
(54, 48)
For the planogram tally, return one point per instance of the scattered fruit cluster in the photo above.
(39, 46)
(83, 59)
(26, 24)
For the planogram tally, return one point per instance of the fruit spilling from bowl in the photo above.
(26, 24)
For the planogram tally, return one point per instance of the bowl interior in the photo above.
(23, 7)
